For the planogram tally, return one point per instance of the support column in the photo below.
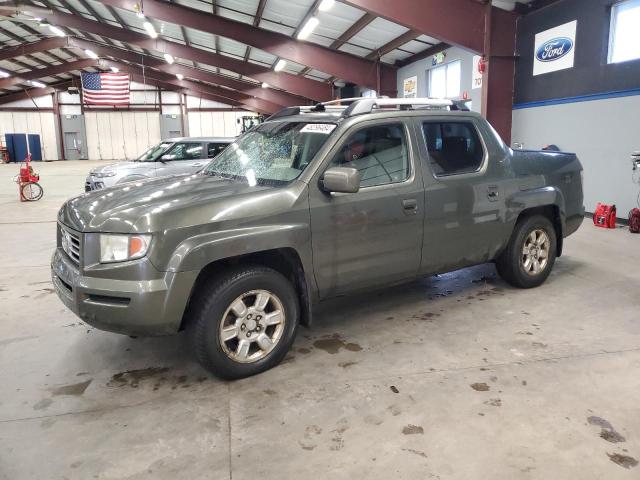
(498, 82)
(58, 120)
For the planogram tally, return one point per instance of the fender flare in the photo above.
(539, 198)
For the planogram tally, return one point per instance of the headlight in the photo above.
(108, 173)
(119, 248)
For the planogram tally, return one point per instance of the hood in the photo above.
(158, 204)
(115, 167)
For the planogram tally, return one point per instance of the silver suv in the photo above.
(175, 156)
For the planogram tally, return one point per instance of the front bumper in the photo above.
(130, 307)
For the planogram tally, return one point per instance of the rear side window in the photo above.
(454, 147)
(379, 153)
(213, 149)
(184, 151)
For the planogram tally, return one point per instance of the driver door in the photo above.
(182, 158)
(372, 237)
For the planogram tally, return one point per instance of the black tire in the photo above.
(32, 191)
(511, 263)
(212, 302)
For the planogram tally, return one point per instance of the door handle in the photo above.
(492, 193)
(410, 206)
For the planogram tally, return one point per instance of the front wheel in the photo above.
(244, 322)
(31, 191)
(531, 253)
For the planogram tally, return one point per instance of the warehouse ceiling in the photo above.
(232, 49)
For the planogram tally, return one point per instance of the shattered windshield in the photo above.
(153, 153)
(274, 152)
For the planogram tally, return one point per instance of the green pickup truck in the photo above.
(315, 202)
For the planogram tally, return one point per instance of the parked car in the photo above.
(174, 156)
(313, 203)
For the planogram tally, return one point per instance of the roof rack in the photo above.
(362, 105)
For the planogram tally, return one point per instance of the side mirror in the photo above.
(341, 180)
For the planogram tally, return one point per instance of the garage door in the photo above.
(41, 123)
(214, 124)
(121, 135)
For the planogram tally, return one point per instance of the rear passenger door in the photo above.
(464, 205)
(372, 237)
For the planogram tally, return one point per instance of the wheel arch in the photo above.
(552, 212)
(548, 201)
(286, 261)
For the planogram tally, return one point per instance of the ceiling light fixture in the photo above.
(115, 69)
(169, 58)
(308, 27)
(37, 84)
(280, 65)
(265, 85)
(326, 5)
(179, 76)
(57, 31)
(91, 54)
(151, 30)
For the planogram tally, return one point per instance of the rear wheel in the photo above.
(32, 191)
(244, 322)
(531, 253)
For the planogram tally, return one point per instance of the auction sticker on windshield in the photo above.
(324, 128)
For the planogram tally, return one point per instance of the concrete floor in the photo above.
(452, 377)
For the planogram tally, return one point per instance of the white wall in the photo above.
(603, 133)
(421, 68)
(121, 135)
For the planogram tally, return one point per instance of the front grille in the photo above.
(70, 242)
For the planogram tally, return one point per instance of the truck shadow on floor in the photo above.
(334, 320)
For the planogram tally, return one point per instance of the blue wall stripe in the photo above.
(581, 98)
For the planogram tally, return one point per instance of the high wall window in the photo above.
(444, 81)
(623, 37)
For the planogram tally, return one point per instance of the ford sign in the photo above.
(554, 49)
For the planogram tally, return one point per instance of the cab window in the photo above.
(214, 149)
(379, 153)
(184, 151)
(454, 147)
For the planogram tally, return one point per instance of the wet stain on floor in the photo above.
(75, 389)
(413, 430)
(607, 432)
(132, 378)
(415, 452)
(347, 364)
(337, 442)
(480, 387)
(612, 436)
(334, 343)
(624, 461)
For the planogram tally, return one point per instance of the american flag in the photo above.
(105, 88)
